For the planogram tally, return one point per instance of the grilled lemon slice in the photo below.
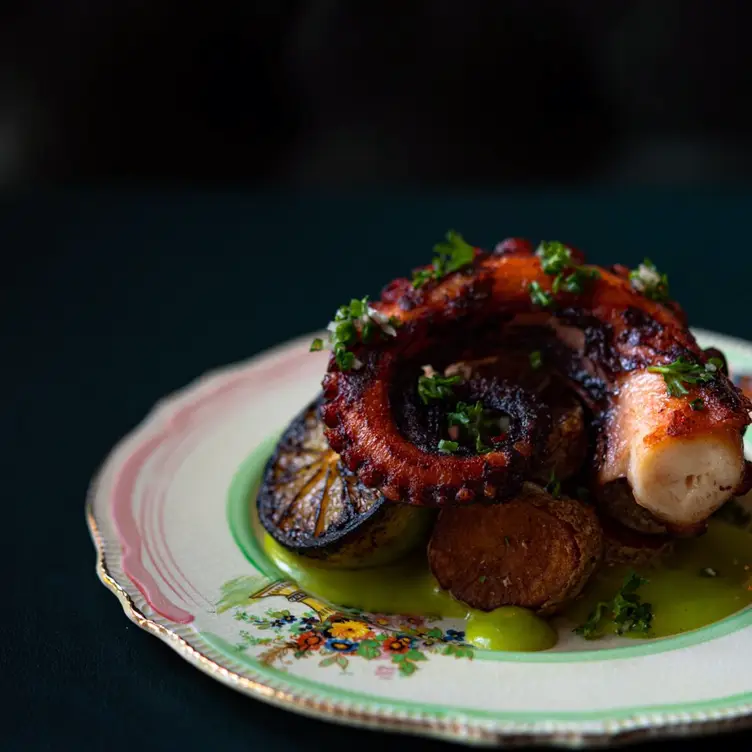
(311, 504)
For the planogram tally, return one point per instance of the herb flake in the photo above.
(626, 610)
(650, 282)
(354, 322)
(536, 359)
(476, 423)
(539, 296)
(554, 486)
(448, 447)
(556, 260)
(450, 255)
(682, 371)
(437, 387)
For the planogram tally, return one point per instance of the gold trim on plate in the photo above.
(470, 732)
(461, 731)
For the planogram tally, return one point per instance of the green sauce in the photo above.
(408, 587)
(683, 598)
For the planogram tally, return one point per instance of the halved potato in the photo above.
(311, 504)
(616, 500)
(534, 551)
(623, 545)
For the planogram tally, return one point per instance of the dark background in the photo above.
(183, 189)
(303, 93)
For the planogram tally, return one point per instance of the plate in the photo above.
(169, 516)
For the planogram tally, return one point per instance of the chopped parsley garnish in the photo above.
(683, 371)
(708, 572)
(536, 359)
(650, 282)
(482, 579)
(450, 256)
(556, 260)
(554, 256)
(626, 610)
(576, 281)
(476, 423)
(354, 322)
(554, 485)
(539, 296)
(448, 446)
(437, 387)
(697, 404)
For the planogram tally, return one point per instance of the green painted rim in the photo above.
(223, 647)
(243, 489)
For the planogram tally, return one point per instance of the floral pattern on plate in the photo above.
(396, 644)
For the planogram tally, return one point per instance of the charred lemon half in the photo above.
(311, 504)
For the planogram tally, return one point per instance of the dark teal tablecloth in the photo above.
(112, 299)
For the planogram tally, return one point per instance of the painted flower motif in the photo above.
(309, 641)
(454, 635)
(341, 646)
(385, 672)
(399, 644)
(308, 622)
(352, 630)
(413, 630)
(381, 621)
(415, 621)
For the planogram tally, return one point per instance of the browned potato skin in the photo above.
(623, 545)
(567, 443)
(533, 551)
(615, 499)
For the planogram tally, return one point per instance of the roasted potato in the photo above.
(615, 500)
(622, 545)
(311, 504)
(533, 551)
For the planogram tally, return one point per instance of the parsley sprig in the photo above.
(682, 371)
(556, 261)
(539, 296)
(476, 423)
(448, 447)
(437, 387)
(554, 486)
(650, 282)
(626, 610)
(354, 322)
(450, 256)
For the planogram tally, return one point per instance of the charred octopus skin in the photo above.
(679, 447)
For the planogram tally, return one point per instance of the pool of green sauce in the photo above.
(682, 594)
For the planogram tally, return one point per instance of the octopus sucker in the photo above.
(680, 454)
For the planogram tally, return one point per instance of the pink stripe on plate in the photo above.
(128, 530)
(130, 536)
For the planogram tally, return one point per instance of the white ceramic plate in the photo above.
(169, 517)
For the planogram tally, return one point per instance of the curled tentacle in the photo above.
(606, 337)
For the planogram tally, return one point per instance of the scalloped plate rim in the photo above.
(468, 730)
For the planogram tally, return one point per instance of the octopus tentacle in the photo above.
(607, 337)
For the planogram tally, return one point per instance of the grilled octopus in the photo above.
(681, 463)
